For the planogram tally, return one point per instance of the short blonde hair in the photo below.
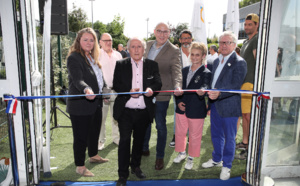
(199, 46)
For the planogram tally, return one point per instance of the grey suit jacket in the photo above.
(231, 77)
(81, 75)
(170, 67)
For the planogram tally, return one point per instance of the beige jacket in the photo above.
(169, 66)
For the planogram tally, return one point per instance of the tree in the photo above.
(101, 27)
(244, 3)
(77, 19)
(176, 32)
(116, 30)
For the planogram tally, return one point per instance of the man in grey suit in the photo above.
(228, 72)
(167, 56)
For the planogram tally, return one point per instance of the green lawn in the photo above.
(64, 168)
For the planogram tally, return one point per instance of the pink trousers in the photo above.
(195, 127)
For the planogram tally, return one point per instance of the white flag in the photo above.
(198, 27)
(233, 17)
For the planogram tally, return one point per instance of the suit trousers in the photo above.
(195, 127)
(114, 124)
(223, 132)
(86, 129)
(132, 121)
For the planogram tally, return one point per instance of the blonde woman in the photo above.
(85, 77)
(191, 107)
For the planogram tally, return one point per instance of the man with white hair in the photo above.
(228, 72)
(134, 112)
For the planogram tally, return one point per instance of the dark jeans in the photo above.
(86, 130)
(160, 120)
(136, 122)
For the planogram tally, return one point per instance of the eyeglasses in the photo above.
(165, 32)
(107, 40)
(227, 43)
(185, 38)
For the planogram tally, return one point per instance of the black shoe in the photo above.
(146, 153)
(121, 182)
(172, 143)
(138, 172)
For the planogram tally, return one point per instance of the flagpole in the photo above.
(12, 145)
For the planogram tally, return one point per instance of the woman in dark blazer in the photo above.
(191, 106)
(85, 77)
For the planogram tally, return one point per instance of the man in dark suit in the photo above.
(229, 71)
(134, 112)
(167, 56)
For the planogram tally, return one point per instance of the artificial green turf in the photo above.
(64, 168)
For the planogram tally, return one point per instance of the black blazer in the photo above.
(195, 106)
(123, 83)
(81, 75)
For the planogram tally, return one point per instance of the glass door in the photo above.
(281, 157)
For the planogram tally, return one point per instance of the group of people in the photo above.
(153, 66)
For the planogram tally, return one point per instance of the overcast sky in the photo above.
(135, 13)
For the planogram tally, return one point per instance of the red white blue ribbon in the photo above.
(11, 105)
(12, 100)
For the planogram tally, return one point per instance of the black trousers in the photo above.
(131, 122)
(86, 130)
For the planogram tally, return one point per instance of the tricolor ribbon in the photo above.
(11, 105)
(12, 100)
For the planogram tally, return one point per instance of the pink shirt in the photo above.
(108, 64)
(137, 82)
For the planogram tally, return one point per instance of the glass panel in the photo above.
(288, 54)
(283, 146)
(2, 62)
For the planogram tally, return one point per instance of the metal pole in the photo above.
(147, 27)
(92, 13)
(59, 60)
(12, 145)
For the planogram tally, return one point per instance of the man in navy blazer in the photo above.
(135, 111)
(229, 71)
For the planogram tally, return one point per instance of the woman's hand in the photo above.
(181, 106)
(200, 92)
(89, 92)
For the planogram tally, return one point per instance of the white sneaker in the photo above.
(225, 173)
(100, 146)
(179, 158)
(210, 163)
(189, 164)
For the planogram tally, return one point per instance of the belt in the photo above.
(135, 109)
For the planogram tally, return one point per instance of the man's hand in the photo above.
(178, 92)
(181, 106)
(89, 92)
(213, 94)
(135, 90)
(149, 92)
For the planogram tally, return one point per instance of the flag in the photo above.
(233, 17)
(11, 106)
(198, 24)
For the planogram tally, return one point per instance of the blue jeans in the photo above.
(161, 127)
